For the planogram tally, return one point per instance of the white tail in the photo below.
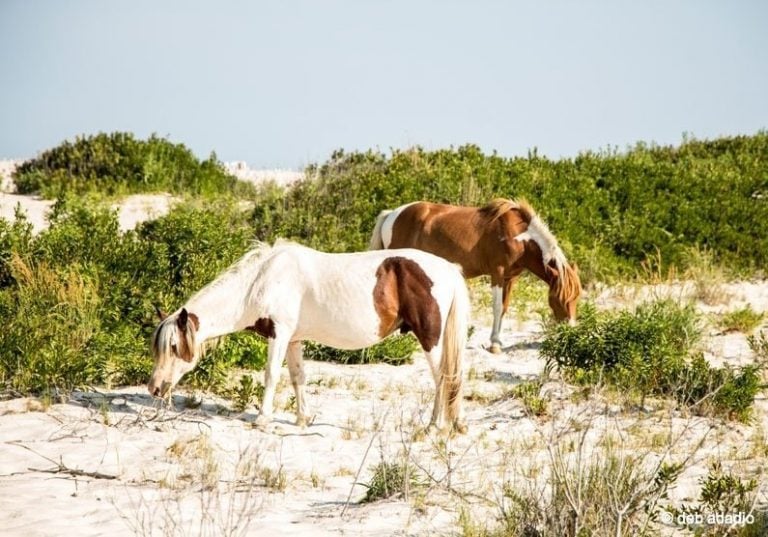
(377, 242)
(454, 342)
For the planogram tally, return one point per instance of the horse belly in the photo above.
(342, 326)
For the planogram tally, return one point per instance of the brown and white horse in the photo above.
(289, 293)
(501, 239)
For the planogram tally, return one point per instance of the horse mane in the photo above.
(568, 285)
(496, 208)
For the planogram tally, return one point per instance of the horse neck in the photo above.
(222, 306)
(533, 261)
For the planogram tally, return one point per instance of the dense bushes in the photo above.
(118, 163)
(78, 300)
(650, 352)
(610, 210)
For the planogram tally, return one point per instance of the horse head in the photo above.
(564, 290)
(174, 350)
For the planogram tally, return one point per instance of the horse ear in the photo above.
(160, 313)
(182, 319)
(551, 272)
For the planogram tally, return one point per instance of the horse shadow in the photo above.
(139, 407)
(522, 346)
(137, 404)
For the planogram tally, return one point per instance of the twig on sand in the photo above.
(61, 468)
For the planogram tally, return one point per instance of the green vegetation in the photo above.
(77, 299)
(529, 394)
(650, 352)
(725, 494)
(742, 320)
(395, 350)
(607, 494)
(391, 479)
(118, 163)
(611, 211)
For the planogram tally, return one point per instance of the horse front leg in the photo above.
(276, 351)
(497, 299)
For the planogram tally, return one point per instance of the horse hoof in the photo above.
(495, 348)
(262, 422)
(460, 427)
(304, 421)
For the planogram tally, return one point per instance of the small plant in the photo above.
(759, 345)
(742, 320)
(246, 392)
(724, 498)
(529, 394)
(275, 479)
(390, 479)
(650, 352)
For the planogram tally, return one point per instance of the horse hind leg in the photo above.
(295, 360)
(441, 411)
(437, 421)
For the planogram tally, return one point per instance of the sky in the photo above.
(282, 84)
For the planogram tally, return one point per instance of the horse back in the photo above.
(465, 235)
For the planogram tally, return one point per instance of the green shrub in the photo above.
(395, 350)
(742, 320)
(723, 493)
(52, 343)
(390, 479)
(650, 352)
(118, 163)
(49, 320)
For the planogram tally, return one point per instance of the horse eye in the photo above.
(174, 349)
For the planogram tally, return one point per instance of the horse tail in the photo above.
(377, 241)
(454, 342)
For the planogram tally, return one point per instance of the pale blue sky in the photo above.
(283, 83)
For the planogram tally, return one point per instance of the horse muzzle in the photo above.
(158, 390)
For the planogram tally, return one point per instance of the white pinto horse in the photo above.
(289, 293)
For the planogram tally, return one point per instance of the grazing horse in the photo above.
(500, 239)
(289, 293)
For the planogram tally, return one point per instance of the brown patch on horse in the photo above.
(402, 297)
(195, 321)
(263, 326)
(481, 240)
(186, 348)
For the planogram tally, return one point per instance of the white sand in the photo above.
(280, 177)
